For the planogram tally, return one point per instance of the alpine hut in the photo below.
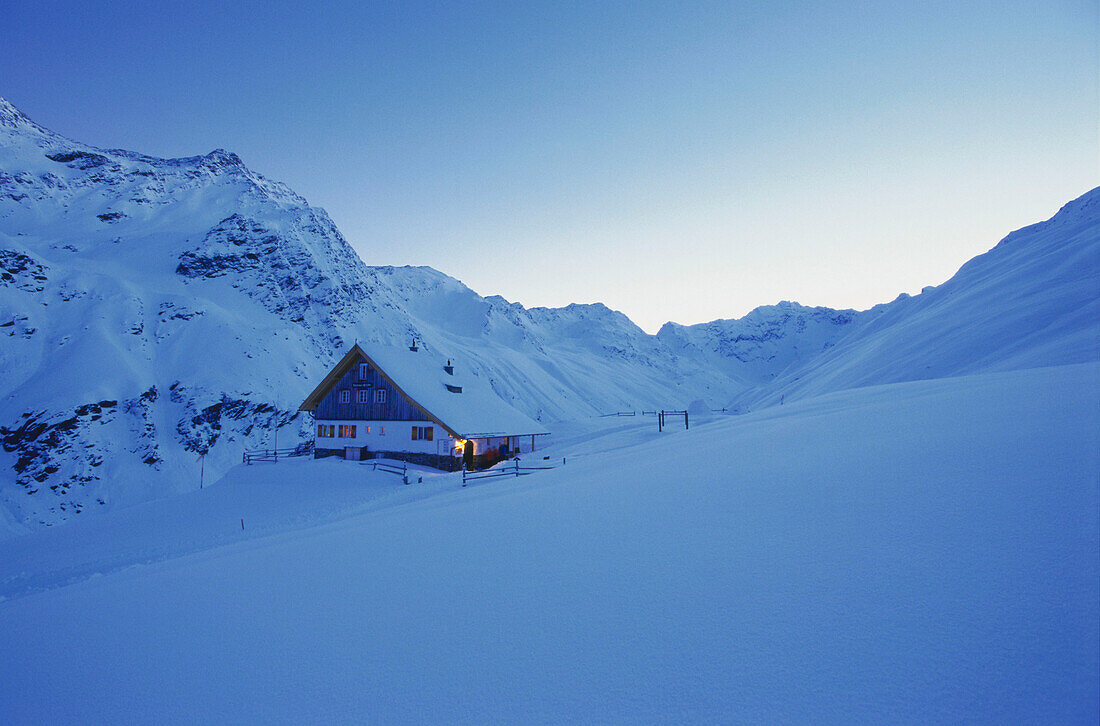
(404, 403)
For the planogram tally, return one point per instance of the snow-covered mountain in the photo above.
(761, 346)
(155, 310)
(1031, 301)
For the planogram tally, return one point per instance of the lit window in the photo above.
(345, 396)
(368, 429)
(416, 433)
(428, 433)
(381, 430)
(364, 396)
(380, 395)
(320, 429)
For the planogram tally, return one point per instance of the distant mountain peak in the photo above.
(12, 118)
(222, 158)
(10, 115)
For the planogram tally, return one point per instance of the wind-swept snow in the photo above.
(917, 552)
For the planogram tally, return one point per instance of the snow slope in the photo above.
(917, 552)
(1033, 300)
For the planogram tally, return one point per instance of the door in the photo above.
(468, 454)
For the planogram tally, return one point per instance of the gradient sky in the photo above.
(676, 161)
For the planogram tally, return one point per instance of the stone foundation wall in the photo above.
(436, 461)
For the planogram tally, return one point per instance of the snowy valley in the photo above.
(155, 310)
(890, 515)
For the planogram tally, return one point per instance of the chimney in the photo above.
(449, 368)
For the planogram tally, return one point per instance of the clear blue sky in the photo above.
(682, 161)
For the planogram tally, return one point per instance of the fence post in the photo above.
(405, 472)
(517, 467)
(464, 473)
(686, 421)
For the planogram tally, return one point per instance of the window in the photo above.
(381, 430)
(320, 429)
(427, 433)
(326, 431)
(380, 395)
(368, 429)
(364, 371)
(422, 433)
(416, 433)
(345, 396)
(347, 432)
(363, 396)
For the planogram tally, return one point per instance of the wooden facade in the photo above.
(364, 377)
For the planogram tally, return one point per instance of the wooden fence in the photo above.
(273, 455)
(515, 470)
(665, 414)
(402, 471)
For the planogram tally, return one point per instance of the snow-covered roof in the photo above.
(475, 412)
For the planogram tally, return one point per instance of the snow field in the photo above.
(919, 552)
